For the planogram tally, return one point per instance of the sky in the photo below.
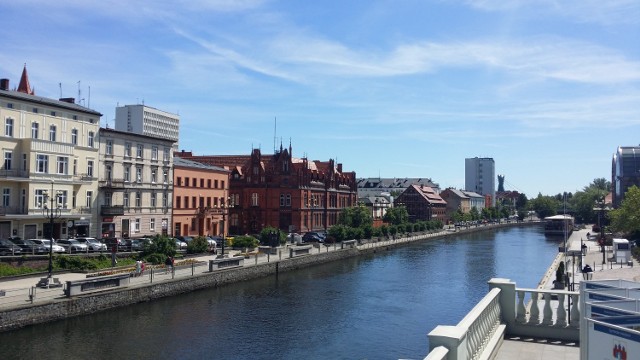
(547, 88)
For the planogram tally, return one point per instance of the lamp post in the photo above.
(224, 207)
(51, 212)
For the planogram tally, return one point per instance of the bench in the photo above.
(349, 244)
(225, 263)
(268, 250)
(76, 287)
(299, 250)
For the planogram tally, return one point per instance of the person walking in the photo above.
(167, 264)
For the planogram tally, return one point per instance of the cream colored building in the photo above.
(49, 159)
(136, 184)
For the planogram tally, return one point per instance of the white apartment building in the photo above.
(480, 175)
(145, 120)
(136, 184)
(50, 158)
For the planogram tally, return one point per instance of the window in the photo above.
(62, 199)
(281, 200)
(209, 183)
(8, 155)
(153, 199)
(165, 154)
(201, 183)
(215, 184)
(154, 175)
(75, 166)
(193, 202)
(222, 184)
(288, 200)
(109, 147)
(10, 105)
(62, 165)
(89, 198)
(108, 172)
(165, 200)
(138, 174)
(8, 127)
(42, 163)
(74, 136)
(127, 172)
(125, 199)
(136, 225)
(53, 113)
(138, 199)
(127, 149)
(39, 198)
(52, 133)
(152, 224)
(107, 198)
(90, 168)
(24, 161)
(254, 199)
(178, 202)
(165, 176)
(139, 151)
(35, 110)
(34, 130)
(6, 196)
(90, 139)
(154, 153)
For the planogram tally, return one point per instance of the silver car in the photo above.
(46, 243)
(72, 246)
(92, 243)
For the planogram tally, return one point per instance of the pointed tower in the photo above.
(24, 86)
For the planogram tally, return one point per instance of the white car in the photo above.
(93, 243)
(180, 244)
(46, 243)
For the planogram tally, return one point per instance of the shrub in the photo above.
(368, 231)
(338, 232)
(245, 241)
(265, 236)
(155, 258)
(75, 263)
(197, 245)
(160, 245)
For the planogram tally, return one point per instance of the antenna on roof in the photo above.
(60, 85)
(89, 98)
(79, 91)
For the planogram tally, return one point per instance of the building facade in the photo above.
(422, 204)
(393, 186)
(625, 172)
(278, 190)
(480, 175)
(136, 184)
(476, 200)
(145, 120)
(50, 154)
(200, 197)
(456, 200)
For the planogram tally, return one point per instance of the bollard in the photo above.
(268, 256)
(280, 254)
(32, 294)
(256, 259)
(193, 266)
(151, 276)
(173, 272)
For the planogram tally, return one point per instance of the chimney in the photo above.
(68, 100)
(339, 167)
(4, 84)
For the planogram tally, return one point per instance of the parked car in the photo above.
(294, 238)
(72, 245)
(132, 244)
(92, 243)
(180, 244)
(186, 239)
(9, 248)
(111, 242)
(312, 237)
(46, 243)
(30, 247)
(214, 241)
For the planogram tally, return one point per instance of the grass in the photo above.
(63, 262)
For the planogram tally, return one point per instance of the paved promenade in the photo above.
(536, 349)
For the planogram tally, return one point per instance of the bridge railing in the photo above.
(507, 310)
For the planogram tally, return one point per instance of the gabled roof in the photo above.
(472, 194)
(428, 194)
(458, 193)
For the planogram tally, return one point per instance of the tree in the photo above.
(544, 205)
(198, 245)
(356, 216)
(265, 236)
(626, 218)
(338, 232)
(521, 201)
(475, 215)
(396, 215)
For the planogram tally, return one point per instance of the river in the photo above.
(379, 306)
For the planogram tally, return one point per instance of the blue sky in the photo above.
(547, 88)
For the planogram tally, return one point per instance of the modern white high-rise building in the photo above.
(145, 120)
(480, 175)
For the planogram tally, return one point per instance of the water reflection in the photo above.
(379, 306)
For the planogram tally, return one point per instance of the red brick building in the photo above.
(281, 191)
(423, 204)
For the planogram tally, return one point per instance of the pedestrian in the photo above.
(173, 264)
(141, 267)
(167, 264)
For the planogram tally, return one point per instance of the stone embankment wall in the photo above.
(91, 303)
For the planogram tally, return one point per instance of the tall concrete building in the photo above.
(480, 175)
(625, 172)
(148, 121)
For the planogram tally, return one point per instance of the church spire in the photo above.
(24, 86)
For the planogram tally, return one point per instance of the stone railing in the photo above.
(545, 314)
(476, 336)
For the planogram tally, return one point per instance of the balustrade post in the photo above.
(561, 313)
(534, 317)
(575, 311)
(521, 311)
(507, 299)
(547, 314)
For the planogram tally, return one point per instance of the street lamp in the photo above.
(224, 207)
(51, 212)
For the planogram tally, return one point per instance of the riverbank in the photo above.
(50, 305)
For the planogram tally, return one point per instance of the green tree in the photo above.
(626, 218)
(355, 216)
(475, 215)
(265, 235)
(198, 245)
(521, 202)
(338, 232)
(545, 205)
(160, 245)
(396, 215)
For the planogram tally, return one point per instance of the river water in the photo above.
(379, 306)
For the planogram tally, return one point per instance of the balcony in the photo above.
(11, 210)
(14, 174)
(112, 184)
(84, 177)
(111, 210)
